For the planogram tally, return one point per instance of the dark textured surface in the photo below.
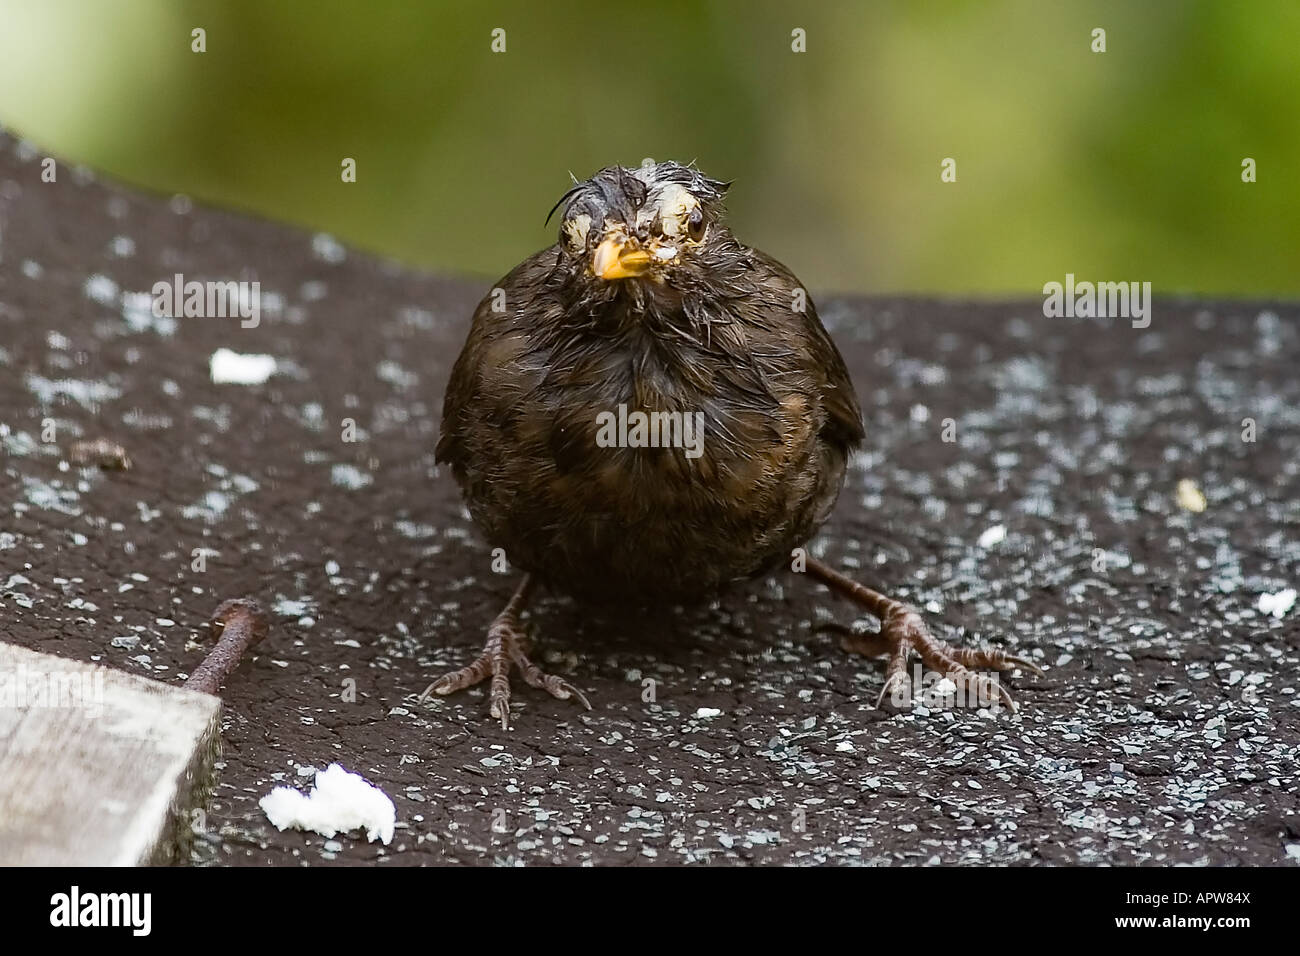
(1166, 729)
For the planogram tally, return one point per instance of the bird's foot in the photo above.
(903, 632)
(506, 644)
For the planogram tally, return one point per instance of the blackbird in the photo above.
(648, 411)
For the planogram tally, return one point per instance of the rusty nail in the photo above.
(240, 624)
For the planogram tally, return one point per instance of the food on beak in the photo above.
(619, 258)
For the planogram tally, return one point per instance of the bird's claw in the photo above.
(504, 648)
(904, 633)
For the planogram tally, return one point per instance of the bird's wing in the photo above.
(460, 386)
(844, 414)
(485, 328)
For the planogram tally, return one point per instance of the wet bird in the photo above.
(568, 418)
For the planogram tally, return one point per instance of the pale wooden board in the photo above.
(107, 780)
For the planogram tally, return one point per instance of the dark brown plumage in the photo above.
(647, 302)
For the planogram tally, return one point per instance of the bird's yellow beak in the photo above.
(619, 258)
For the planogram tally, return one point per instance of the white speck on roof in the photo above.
(350, 477)
(102, 289)
(328, 249)
(292, 608)
(86, 394)
(138, 311)
(232, 368)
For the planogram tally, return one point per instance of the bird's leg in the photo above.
(505, 644)
(902, 631)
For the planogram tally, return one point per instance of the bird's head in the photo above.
(655, 222)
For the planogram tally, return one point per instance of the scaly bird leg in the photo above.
(505, 645)
(902, 631)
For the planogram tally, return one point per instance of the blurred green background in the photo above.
(1123, 165)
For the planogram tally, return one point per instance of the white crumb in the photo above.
(706, 712)
(994, 535)
(340, 801)
(1190, 497)
(1277, 604)
(232, 368)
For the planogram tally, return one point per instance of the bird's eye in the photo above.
(695, 224)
